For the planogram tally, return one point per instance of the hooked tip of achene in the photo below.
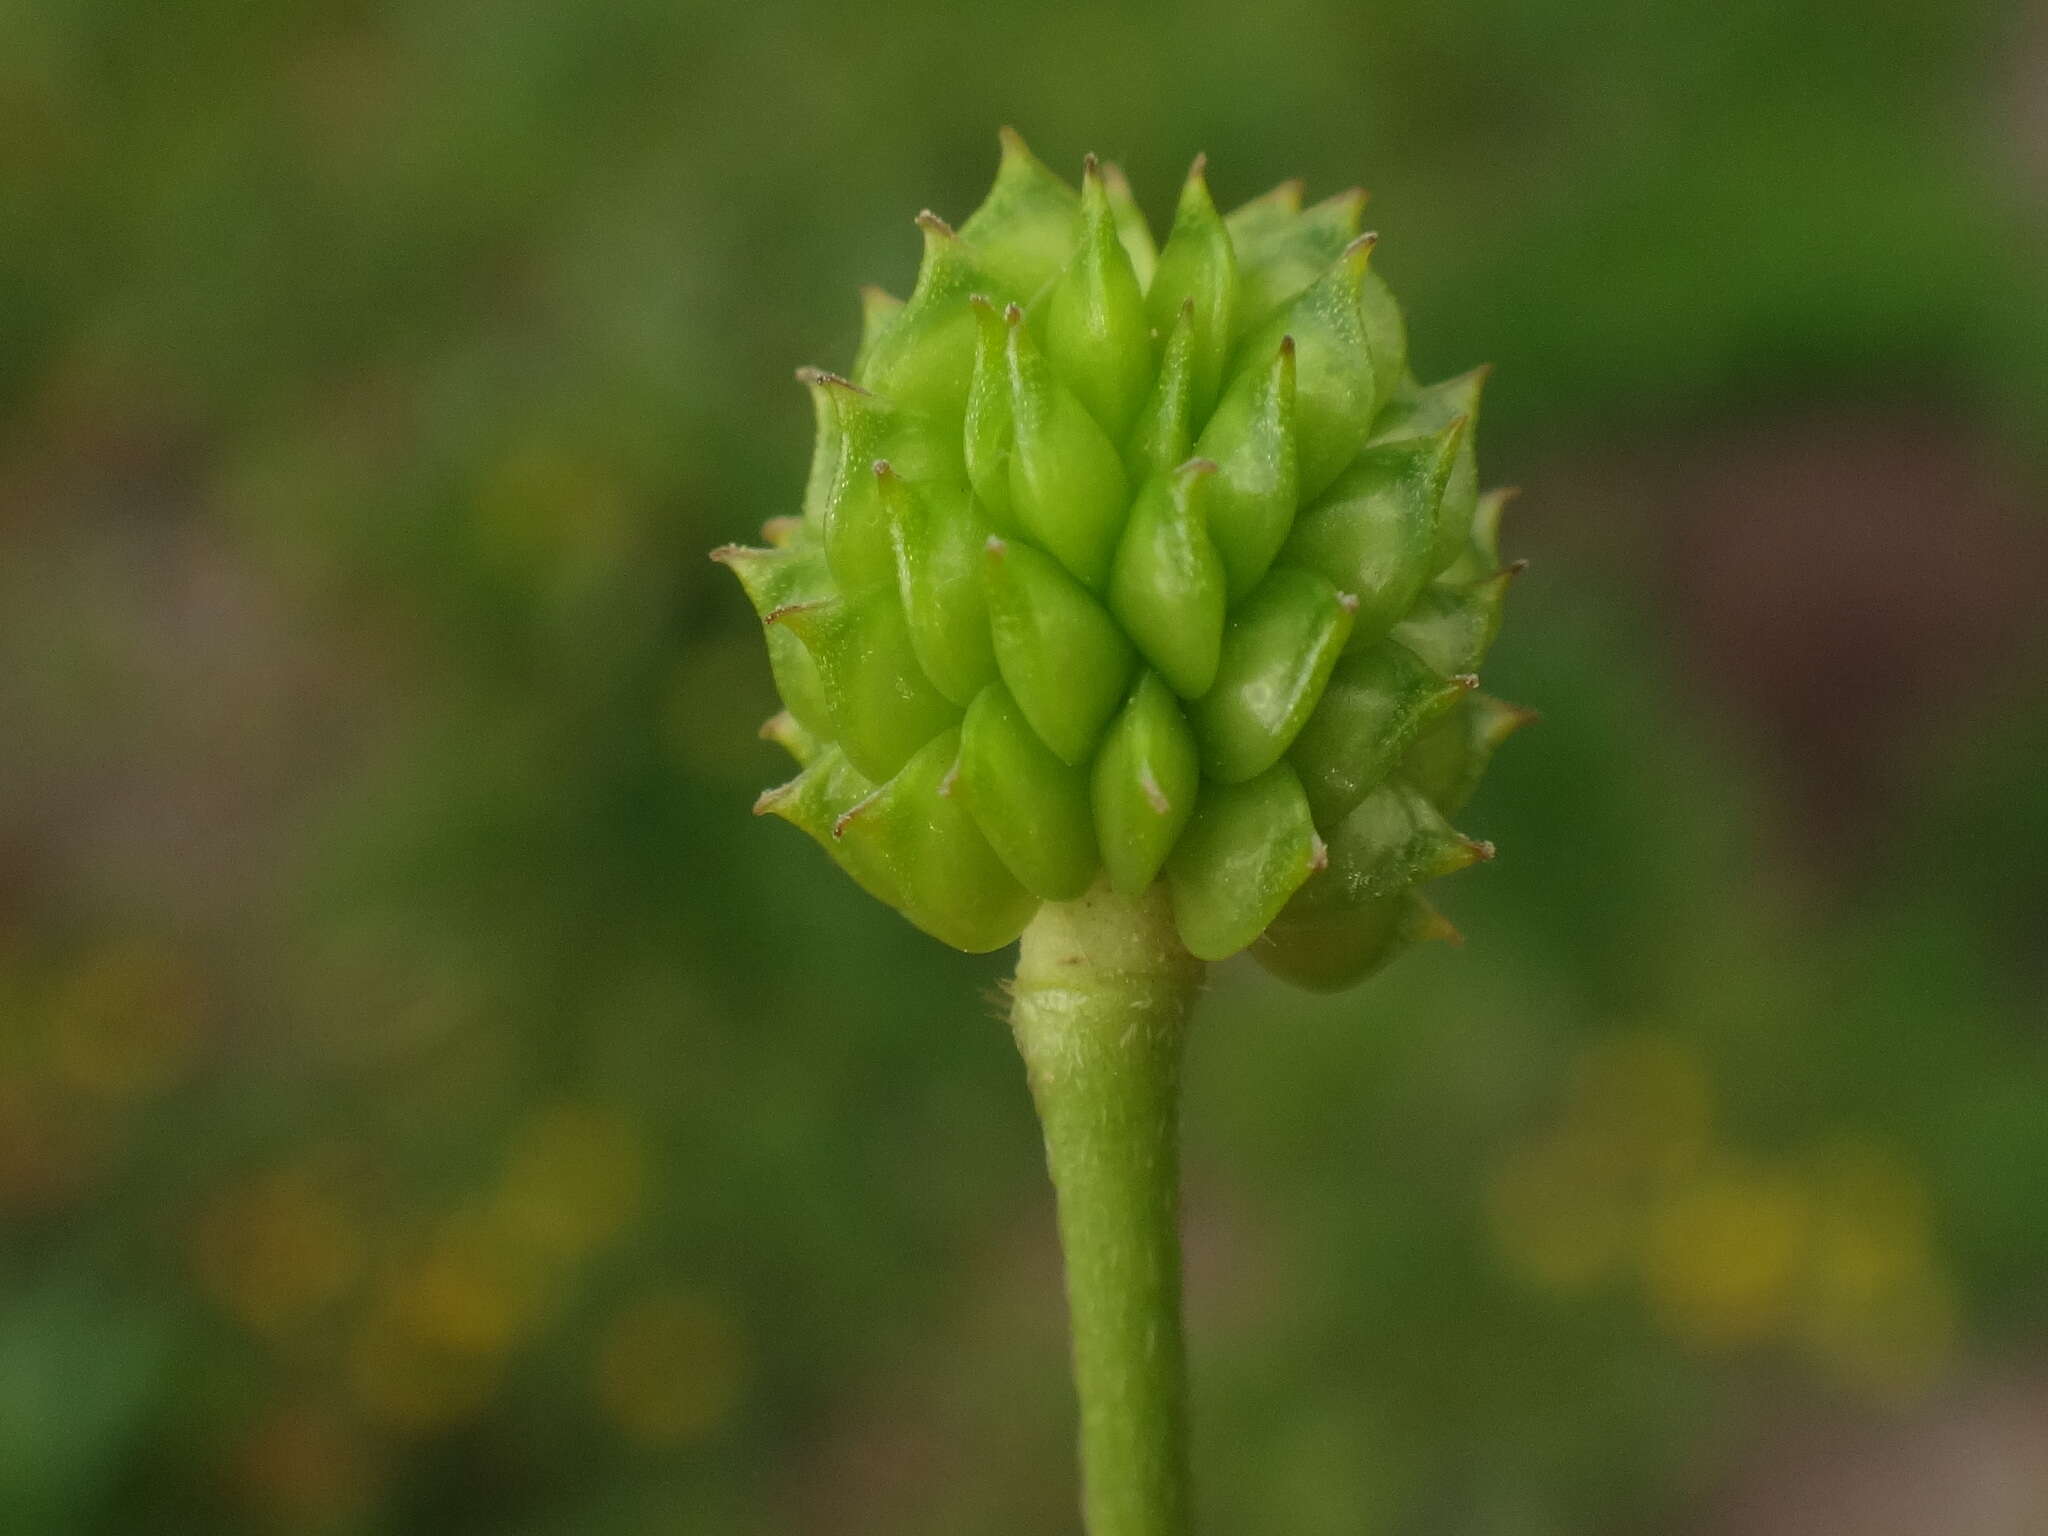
(845, 817)
(1012, 141)
(1198, 168)
(1481, 850)
(1091, 168)
(790, 611)
(1348, 601)
(822, 378)
(1195, 468)
(1318, 854)
(995, 547)
(933, 225)
(1013, 315)
(1514, 568)
(1287, 348)
(727, 554)
(1465, 680)
(1361, 246)
(766, 802)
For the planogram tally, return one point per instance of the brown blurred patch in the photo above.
(1851, 586)
(1972, 1466)
(1856, 582)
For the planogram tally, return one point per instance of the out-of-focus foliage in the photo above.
(429, 1104)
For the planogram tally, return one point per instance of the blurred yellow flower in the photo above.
(1558, 1213)
(1832, 1251)
(669, 1368)
(1647, 1099)
(408, 1386)
(1564, 1207)
(575, 1176)
(442, 1319)
(275, 1248)
(1878, 1313)
(1723, 1251)
(470, 1292)
(124, 1024)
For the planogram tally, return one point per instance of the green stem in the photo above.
(1101, 1004)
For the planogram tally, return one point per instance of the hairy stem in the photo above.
(1101, 1004)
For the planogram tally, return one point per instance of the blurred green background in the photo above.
(430, 1103)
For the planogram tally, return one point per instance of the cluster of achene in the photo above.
(1146, 562)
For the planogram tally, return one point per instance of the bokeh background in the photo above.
(429, 1102)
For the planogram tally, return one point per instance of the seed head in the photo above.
(1141, 562)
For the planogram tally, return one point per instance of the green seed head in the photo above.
(1142, 563)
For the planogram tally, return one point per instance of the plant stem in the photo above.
(1101, 1004)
